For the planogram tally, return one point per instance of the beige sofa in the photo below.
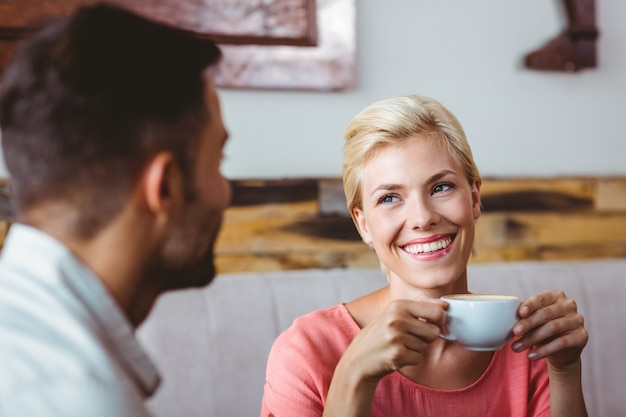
(211, 344)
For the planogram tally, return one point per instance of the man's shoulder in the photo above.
(44, 334)
(71, 396)
(59, 363)
(37, 347)
(38, 307)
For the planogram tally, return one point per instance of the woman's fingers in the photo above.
(551, 326)
(398, 337)
(543, 308)
(564, 349)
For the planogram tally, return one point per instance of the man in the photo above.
(113, 137)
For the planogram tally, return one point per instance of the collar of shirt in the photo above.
(25, 243)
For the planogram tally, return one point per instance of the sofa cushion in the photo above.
(211, 344)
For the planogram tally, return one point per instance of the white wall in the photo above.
(468, 55)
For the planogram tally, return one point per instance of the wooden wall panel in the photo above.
(611, 195)
(303, 223)
(523, 219)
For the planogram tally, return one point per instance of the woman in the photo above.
(414, 193)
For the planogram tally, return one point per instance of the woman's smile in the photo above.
(434, 244)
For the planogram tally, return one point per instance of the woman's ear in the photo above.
(361, 223)
(476, 201)
(162, 184)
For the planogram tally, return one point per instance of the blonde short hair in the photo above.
(395, 120)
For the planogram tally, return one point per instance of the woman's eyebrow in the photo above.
(434, 178)
(441, 175)
(386, 187)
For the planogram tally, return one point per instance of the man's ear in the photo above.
(162, 184)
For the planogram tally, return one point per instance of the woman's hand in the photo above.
(396, 338)
(552, 328)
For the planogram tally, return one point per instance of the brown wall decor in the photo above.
(304, 223)
(575, 48)
(282, 44)
(328, 66)
(243, 22)
(238, 22)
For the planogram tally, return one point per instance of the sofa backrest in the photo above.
(211, 344)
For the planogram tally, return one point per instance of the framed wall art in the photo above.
(327, 64)
(267, 44)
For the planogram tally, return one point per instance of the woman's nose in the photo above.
(422, 215)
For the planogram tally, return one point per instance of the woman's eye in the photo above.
(386, 199)
(441, 188)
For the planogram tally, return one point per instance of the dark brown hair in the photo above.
(88, 100)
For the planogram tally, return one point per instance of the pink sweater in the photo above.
(303, 358)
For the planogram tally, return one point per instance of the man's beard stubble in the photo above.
(187, 257)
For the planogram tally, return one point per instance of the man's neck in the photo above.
(118, 255)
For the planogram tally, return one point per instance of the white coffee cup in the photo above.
(480, 321)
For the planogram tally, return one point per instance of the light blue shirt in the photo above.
(66, 348)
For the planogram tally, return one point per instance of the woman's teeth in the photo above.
(428, 247)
